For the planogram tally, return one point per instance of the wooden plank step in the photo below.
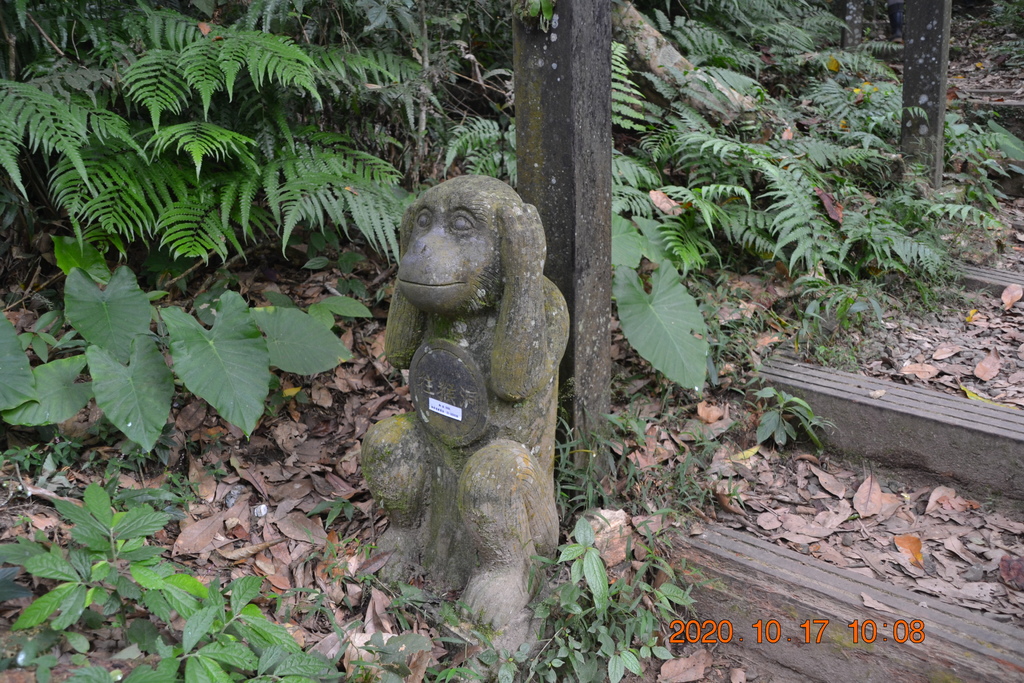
(751, 580)
(988, 279)
(970, 442)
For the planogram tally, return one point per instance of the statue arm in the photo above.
(404, 331)
(520, 360)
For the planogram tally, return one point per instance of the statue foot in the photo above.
(403, 563)
(494, 596)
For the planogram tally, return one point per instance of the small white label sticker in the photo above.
(442, 408)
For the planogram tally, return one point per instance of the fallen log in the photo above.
(652, 52)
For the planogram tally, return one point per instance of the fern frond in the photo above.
(201, 139)
(170, 30)
(156, 82)
(192, 228)
(268, 58)
(200, 65)
(49, 124)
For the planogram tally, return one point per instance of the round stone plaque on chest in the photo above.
(449, 392)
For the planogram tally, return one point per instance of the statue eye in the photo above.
(423, 220)
(462, 224)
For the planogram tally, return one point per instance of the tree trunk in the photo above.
(652, 52)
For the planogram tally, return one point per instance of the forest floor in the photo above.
(247, 505)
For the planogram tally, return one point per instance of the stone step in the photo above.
(748, 580)
(988, 280)
(966, 441)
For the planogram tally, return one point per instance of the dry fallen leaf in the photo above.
(829, 483)
(868, 499)
(1011, 295)
(665, 203)
(685, 669)
(875, 604)
(708, 413)
(938, 495)
(878, 393)
(1011, 571)
(988, 367)
(946, 351)
(738, 675)
(833, 208)
(910, 545)
(920, 370)
(769, 520)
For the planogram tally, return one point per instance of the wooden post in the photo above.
(926, 61)
(563, 143)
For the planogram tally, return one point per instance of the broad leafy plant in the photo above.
(110, 566)
(228, 364)
(602, 629)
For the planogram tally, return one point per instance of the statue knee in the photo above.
(393, 462)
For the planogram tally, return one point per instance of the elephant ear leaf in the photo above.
(136, 397)
(58, 396)
(17, 384)
(663, 326)
(297, 342)
(110, 317)
(228, 365)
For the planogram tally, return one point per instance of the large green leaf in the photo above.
(227, 365)
(70, 253)
(16, 381)
(627, 243)
(109, 317)
(297, 342)
(136, 398)
(57, 396)
(661, 325)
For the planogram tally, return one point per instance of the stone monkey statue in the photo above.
(467, 478)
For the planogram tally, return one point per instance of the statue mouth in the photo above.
(437, 287)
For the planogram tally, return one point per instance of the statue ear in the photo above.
(519, 359)
(406, 323)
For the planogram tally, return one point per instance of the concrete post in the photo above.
(563, 143)
(852, 12)
(925, 63)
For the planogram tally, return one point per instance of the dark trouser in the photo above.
(896, 20)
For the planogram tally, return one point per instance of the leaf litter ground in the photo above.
(253, 504)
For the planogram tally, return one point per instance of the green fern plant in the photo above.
(228, 157)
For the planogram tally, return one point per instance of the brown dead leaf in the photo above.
(737, 675)
(945, 351)
(204, 479)
(665, 203)
(787, 134)
(1011, 571)
(246, 552)
(708, 413)
(988, 367)
(685, 669)
(910, 545)
(833, 208)
(199, 536)
(940, 494)
(920, 370)
(299, 527)
(868, 499)
(871, 603)
(769, 520)
(829, 483)
(1011, 295)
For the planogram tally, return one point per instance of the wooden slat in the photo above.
(963, 440)
(750, 580)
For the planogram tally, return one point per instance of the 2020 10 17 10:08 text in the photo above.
(810, 631)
